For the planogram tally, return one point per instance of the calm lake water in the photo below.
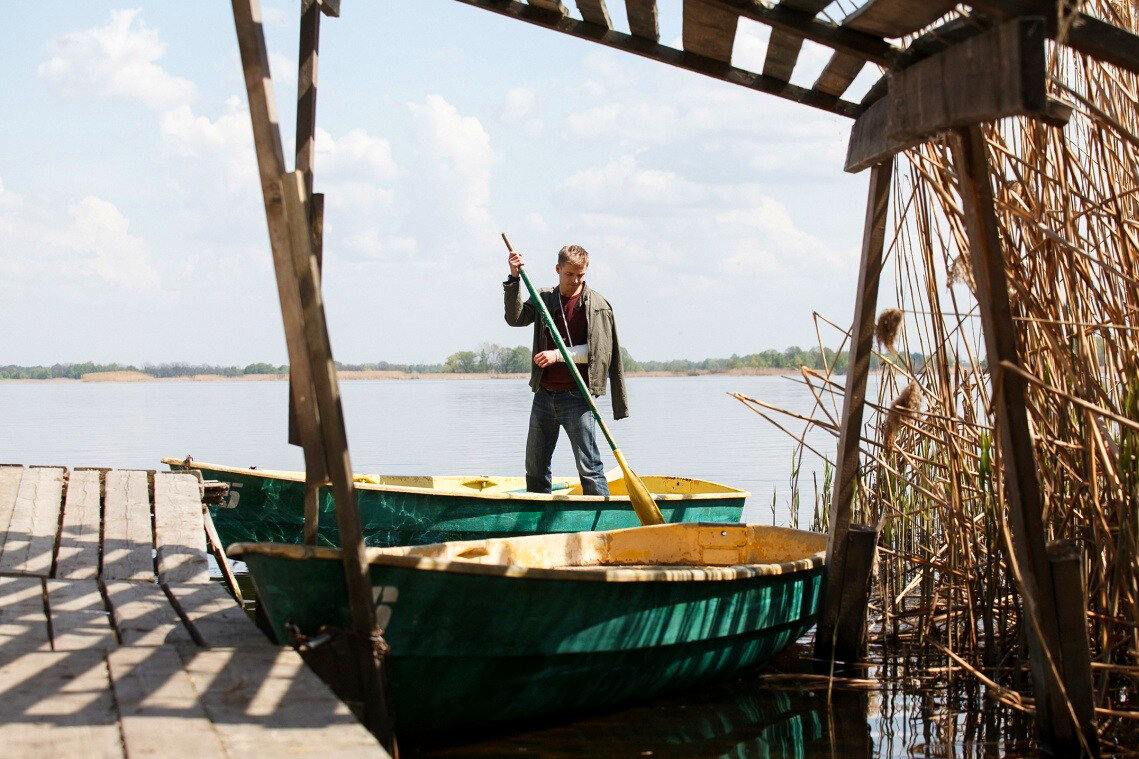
(686, 426)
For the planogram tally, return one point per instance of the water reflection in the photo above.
(740, 719)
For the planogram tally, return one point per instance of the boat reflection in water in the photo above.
(739, 719)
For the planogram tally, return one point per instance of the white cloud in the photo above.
(370, 243)
(274, 16)
(224, 143)
(355, 155)
(116, 61)
(519, 105)
(622, 182)
(283, 69)
(458, 152)
(518, 109)
(95, 244)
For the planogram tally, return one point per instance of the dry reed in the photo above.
(1068, 208)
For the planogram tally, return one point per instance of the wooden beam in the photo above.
(854, 401)
(783, 46)
(801, 22)
(709, 30)
(897, 18)
(681, 59)
(997, 73)
(642, 15)
(308, 59)
(595, 12)
(306, 333)
(1018, 464)
(837, 76)
(271, 165)
(554, 6)
(782, 54)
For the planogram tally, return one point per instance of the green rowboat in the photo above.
(509, 628)
(268, 506)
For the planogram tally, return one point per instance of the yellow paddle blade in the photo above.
(639, 495)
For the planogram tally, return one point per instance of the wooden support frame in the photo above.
(1086, 34)
(649, 48)
(320, 418)
(999, 72)
(1055, 727)
(850, 433)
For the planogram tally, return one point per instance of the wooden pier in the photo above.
(114, 642)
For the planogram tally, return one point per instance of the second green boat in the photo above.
(268, 506)
(501, 630)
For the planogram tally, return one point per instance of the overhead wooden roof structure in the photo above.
(946, 68)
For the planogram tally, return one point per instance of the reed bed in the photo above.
(1068, 208)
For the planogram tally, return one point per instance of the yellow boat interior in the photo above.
(700, 551)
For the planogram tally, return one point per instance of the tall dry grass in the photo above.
(1068, 208)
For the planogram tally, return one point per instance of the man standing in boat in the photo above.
(585, 321)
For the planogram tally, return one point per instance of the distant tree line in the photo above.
(489, 358)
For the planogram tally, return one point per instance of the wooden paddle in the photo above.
(639, 495)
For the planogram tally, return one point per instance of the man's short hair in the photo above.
(573, 254)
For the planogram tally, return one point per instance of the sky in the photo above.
(132, 230)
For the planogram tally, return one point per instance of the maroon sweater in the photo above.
(557, 376)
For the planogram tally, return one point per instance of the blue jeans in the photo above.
(568, 410)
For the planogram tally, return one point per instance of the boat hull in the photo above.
(473, 649)
(263, 508)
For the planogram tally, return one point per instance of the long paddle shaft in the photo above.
(639, 495)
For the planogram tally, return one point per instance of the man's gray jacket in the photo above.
(604, 350)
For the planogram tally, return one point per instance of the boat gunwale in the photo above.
(596, 573)
(280, 474)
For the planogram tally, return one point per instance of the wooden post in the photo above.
(846, 461)
(319, 414)
(307, 67)
(1072, 616)
(854, 604)
(1055, 728)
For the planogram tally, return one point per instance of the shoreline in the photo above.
(134, 377)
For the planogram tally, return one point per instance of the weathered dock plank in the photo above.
(78, 556)
(30, 543)
(9, 484)
(179, 533)
(78, 616)
(58, 705)
(23, 623)
(127, 541)
(157, 701)
(142, 614)
(215, 616)
(95, 665)
(266, 702)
